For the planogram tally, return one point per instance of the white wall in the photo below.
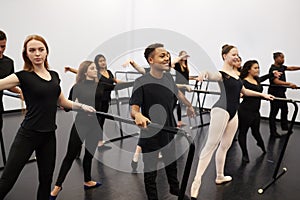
(75, 28)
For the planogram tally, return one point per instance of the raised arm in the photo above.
(70, 69)
(135, 66)
(177, 59)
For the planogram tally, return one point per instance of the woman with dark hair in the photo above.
(106, 77)
(180, 65)
(223, 118)
(249, 116)
(85, 128)
(42, 94)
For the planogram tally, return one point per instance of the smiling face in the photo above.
(160, 59)
(231, 57)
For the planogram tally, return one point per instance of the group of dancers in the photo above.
(154, 97)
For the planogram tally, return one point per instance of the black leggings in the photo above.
(25, 143)
(104, 108)
(275, 106)
(248, 120)
(179, 111)
(87, 132)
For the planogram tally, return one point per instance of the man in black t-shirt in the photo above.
(6, 68)
(279, 91)
(153, 98)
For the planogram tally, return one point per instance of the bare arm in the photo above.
(66, 103)
(212, 76)
(184, 86)
(177, 59)
(280, 82)
(139, 119)
(135, 66)
(70, 69)
(9, 82)
(190, 110)
(292, 68)
(248, 92)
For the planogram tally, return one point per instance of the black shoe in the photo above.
(176, 193)
(193, 198)
(262, 146)
(134, 166)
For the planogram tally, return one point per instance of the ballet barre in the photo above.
(276, 176)
(173, 130)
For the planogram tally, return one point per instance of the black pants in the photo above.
(275, 106)
(179, 105)
(178, 111)
(25, 143)
(150, 159)
(80, 132)
(2, 140)
(248, 120)
(104, 108)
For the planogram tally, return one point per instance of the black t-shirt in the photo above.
(230, 94)
(87, 92)
(251, 104)
(6, 68)
(182, 76)
(156, 98)
(108, 81)
(41, 98)
(90, 93)
(277, 91)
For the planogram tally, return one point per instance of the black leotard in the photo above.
(230, 94)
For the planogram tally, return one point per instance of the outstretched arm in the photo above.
(9, 82)
(212, 76)
(248, 92)
(70, 69)
(135, 66)
(66, 103)
(292, 68)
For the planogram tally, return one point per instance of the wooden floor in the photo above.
(112, 167)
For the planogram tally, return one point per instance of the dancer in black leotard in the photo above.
(224, 120)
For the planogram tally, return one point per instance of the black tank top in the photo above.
(230, 94)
